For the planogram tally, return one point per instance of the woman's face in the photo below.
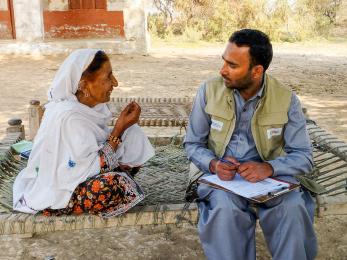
(102, 84)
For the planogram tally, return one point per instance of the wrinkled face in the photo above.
(102, 84)
(236, 70)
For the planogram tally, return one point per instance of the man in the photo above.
(248, 118)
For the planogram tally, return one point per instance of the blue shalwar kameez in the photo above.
(227, 221)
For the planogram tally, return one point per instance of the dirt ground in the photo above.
(151, 242)
(316, 73)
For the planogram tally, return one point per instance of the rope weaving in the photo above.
(330, 159)
(163, 178)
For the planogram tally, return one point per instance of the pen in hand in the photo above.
(225, 168)
(226, 161)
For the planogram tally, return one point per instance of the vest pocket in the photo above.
(219, 128)
(270, 133)
(218, 132)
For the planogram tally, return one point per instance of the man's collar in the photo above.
(261, 90)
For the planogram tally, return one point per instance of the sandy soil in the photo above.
(317, 73)
(151, 242)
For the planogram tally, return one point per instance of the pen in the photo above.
(226, 161)
(278, 191)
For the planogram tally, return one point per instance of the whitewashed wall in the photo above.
(135, 23)
(3, 5)
(28, 19)
(55, 5)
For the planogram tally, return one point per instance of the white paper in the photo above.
(248, 189)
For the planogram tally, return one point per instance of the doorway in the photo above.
(7, 28)
(87, 4)
(11, 13)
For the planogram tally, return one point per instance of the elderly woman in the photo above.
(77, 164)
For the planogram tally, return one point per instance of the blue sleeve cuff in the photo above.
(205, 163)
(276, 165)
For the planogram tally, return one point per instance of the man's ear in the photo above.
(257, 72)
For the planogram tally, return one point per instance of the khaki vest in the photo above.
(267, 124)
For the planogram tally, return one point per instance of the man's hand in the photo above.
(224, 170)
(255, 171)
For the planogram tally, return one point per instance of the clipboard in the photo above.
(267, 197)
(259, 198)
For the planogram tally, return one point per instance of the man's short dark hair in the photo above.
(260, 48)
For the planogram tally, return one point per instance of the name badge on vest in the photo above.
(273, 132)
(217, 125)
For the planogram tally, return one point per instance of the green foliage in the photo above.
(215, 20)
(157, 27)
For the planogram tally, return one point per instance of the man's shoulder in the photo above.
(277, 95)
(274, 82)
(214, 86)
(214, 81)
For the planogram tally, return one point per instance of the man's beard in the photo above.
(243, 83)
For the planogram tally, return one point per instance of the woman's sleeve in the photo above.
(108, 159)
(84, 147)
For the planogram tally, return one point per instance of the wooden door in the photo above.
(7, 29)
(10, 7)
(87, 4)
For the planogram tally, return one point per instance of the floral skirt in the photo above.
(107, 194)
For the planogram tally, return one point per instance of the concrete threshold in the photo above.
(65, 46)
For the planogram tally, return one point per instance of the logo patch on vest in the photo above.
(217, 125)
(273, 132)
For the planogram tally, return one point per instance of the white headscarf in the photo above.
(65, 82)
(65, 150)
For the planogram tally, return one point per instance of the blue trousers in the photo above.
(227, 225)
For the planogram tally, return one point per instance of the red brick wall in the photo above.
(84, 19)
(83, 23)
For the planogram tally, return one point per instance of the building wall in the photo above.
(5, 21)
(120, 24)
(135, 22)
(55, 5)
(62, 22)
(3, 5)
(28, 20)
(83, 24)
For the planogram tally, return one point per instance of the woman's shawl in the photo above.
(65, 150)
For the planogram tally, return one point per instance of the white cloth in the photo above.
(65, 82)
(135, 149)
(66, 148)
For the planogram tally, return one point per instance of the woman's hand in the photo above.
(129, 116)
(128, 169)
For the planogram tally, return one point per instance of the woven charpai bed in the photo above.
(163, 178)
